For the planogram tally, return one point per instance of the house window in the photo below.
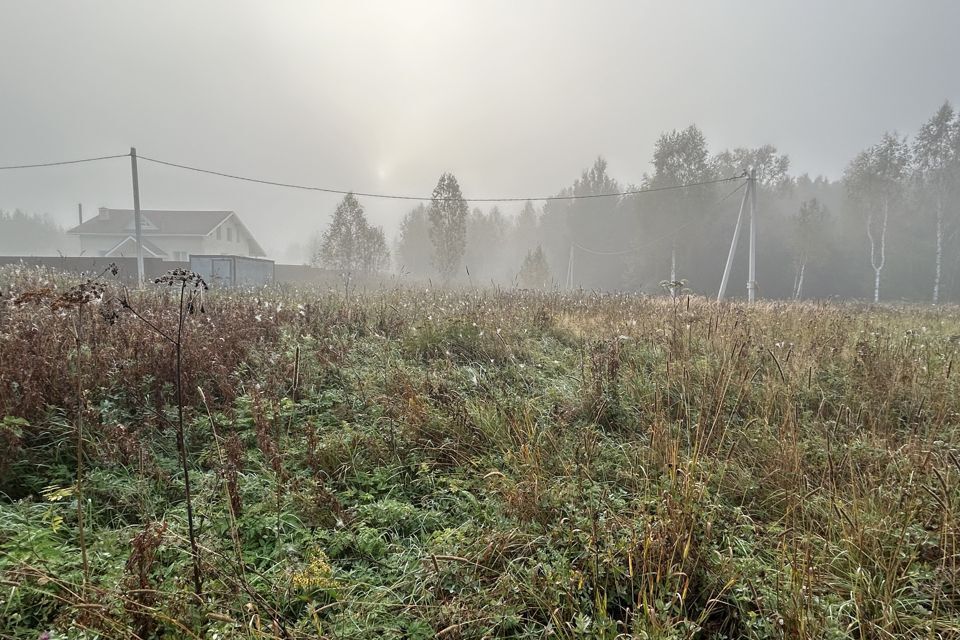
(229, 234)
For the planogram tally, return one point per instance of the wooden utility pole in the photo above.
(136, 215)
(752, 277)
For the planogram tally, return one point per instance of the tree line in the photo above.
(887, 230)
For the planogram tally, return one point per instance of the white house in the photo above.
(169, 235)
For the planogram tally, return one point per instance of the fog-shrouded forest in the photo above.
(888, 230)
(480, 319)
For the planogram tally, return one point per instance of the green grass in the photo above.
(487, 464)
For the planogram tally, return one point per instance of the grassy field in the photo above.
(418, 464)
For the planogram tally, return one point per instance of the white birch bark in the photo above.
(877, 261)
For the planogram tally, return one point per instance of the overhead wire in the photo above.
(648, 243)
(289, 185)
(62, 162)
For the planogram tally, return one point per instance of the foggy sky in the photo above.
(515, 97)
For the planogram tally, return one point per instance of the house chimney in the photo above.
(104, 213)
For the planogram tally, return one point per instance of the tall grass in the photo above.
(412, 463)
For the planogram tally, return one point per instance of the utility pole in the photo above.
(136, 215)
(733, 245)
(570, 269)
(673, 269)
(752, 277)
(80, 212)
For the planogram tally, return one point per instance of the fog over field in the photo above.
(472, 319)
(514, 99)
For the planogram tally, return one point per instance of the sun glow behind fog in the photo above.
(514, 98)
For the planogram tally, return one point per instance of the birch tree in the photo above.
(935, 151)
(874, 182)
(374, 254)
(350, 244)
(771, 166)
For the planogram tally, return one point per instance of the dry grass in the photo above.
(504, 463)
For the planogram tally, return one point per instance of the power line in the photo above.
(289, 185)
(598, 252)
(63, 162)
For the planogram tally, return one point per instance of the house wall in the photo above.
(95, 246)
(239, 246)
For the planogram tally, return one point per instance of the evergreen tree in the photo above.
(525, 232)
(413, 245)
(598, 223)
(23, 234)
(448, 226)
(810, 236)
(535, 272)
(486, 245)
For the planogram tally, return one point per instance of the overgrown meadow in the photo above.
(416, 463)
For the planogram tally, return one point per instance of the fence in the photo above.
(294, 274)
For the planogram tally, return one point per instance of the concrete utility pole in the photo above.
(80, 212)
(752, 277)
(136, 214)
(733, 246)
(673, 269)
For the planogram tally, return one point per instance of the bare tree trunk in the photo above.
(939, 253)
